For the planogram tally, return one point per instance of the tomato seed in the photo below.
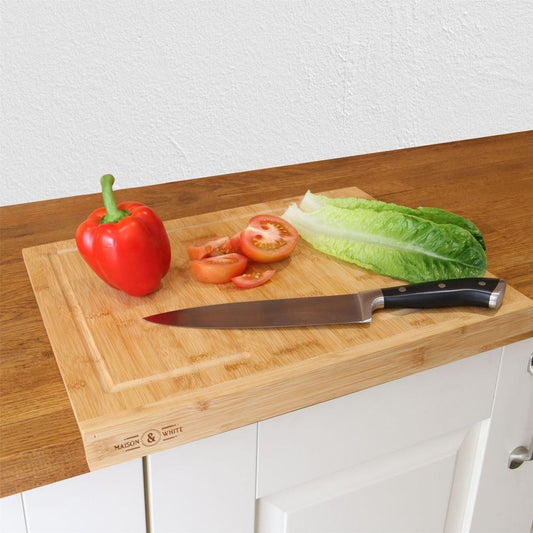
(266, 245)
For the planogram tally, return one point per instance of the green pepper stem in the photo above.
(113, 213)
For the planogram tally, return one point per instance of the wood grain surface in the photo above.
(487, 180)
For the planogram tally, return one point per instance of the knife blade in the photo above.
(337, 309)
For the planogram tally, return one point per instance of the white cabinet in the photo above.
(205, 486)
(390, 458)
(12, 515)
(425, 453)
(504, 501)
(104, 501)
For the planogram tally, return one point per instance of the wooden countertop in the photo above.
(488, 180)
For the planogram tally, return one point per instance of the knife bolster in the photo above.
(368, 302)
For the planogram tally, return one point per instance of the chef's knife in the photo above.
(337, 309)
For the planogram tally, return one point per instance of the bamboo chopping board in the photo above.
(137, 387)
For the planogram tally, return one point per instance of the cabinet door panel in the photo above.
(404, 491)
(505, 497)
(313, 442)
(107, 500)
(204, 486)
(12, 515)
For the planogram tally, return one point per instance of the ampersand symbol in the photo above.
(151, 437)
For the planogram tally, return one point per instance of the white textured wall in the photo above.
(157, 91)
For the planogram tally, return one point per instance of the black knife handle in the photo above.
(482, 292)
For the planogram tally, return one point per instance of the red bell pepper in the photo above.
(126, 245)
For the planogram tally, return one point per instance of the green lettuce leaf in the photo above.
(390, 242)
(312, 201)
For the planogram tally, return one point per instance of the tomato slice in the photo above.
(217, 246)
(268, 238)
(249, 280)
(218, 269)
(235, 243)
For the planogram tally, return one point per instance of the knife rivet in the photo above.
(402, 289)
(482, 283)
(442, 285)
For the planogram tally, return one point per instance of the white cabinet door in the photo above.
(12, 515)
(110, 500)
(205, 486)
(406, 491)
(505, 497)
(399, 457)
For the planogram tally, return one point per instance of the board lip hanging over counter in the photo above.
(134, 392)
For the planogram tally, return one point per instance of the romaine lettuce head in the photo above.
(389, 242)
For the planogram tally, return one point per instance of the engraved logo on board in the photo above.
(149, 438)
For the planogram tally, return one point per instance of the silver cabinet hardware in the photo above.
(519, 455)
